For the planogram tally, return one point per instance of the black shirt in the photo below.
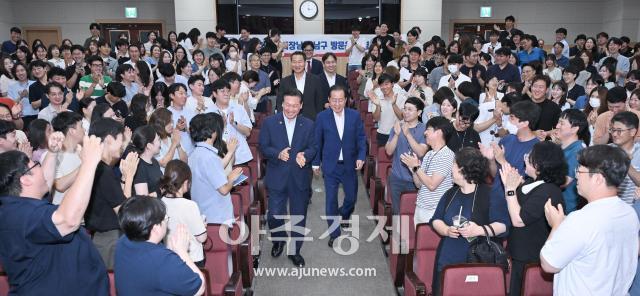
(134, 122)
(526, 242)
(549, 115)
(461, 139)
(69, 71)
(509, 74)
(106, 194)
(386, 55)
(575, 92)
(149, 173)
(474, 72)
(36, 92)
(120, 107)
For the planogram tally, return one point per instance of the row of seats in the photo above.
(412, 251)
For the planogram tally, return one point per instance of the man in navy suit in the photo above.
(329, 77)
(311, 65)
(341, 150)
(308, 84)
(288, 145)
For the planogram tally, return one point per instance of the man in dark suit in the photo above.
(306, 83)
(341, 151)
(288, 145)
(311, 65)
(329, 77)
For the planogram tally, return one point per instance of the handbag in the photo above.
(488, 251)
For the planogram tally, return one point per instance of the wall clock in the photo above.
(308, 9)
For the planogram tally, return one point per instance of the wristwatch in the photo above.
(415, 170)
(511, 193)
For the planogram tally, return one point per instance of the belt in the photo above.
(340, 161)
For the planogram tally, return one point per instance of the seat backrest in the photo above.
(536, 282)
(254, 137)
(217, 254)
(112, 283)
(408, 208)
(426, 246)
(256, 163)
(473, 279)
(4, 284)
(382, 155)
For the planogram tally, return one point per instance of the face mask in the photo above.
(456, 37)
(452, 68)
(594, 102)
(630, 86)
(233, 55)
(510, 127)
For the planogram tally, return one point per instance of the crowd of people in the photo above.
(140, 144)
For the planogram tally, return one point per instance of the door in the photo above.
(48, 35)
(135, 32)
(471, 28)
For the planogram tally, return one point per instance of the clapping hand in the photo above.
(555, 215)
(300, 160)
(405, 129)
(56, 140)
(232, 145)
(129, 165)
(397, 128)
(498, 152)
(510, 177)
(284, 154)
(16, 110)
(25, 147)
(410, 160)
(179, 239)
(91, 150)
(486, 151)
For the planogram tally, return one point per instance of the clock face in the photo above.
(308, 9)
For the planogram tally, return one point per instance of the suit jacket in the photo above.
(340, 80)
(312, 100)
(316, 67)
(273, 139)
(353, 142)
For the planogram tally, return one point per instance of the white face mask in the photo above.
(452, 68)
(510, 127)
(594, 102)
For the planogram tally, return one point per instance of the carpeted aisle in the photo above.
(317, 254)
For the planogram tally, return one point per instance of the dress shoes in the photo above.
(277, 249)
(297, 260)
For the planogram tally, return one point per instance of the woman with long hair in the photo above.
(170, 147)
(138, 110)
(146, 142)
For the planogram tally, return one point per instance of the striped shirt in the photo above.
(435, 162)
(98, 91)
(627, 189)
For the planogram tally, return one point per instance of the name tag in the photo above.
(471, 279)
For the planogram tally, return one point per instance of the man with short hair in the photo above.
(122, 51)
(94, 28)
(169, 77)
(356, 48)
(238, 122)
(8, 141)
(471, 67)
(312, 65)
(561, 60)
(10, 46)
(509, 28)
(78, 69)
(42, 246)
(502, 69)
(55, 93)
(625, 49)
(212, 46)
(549, 111)
(197, 102)
(594, 250)
(529, 52)
(623, 130)
(580, 40)
(109, 191)
(386, 43)
(70, 125)
(574, 90)
(223, 41)
(623, 65)
(181, 116)
(245, 36)
(307, 83)
(95, 83)
(113, 96)
(455, 77)
(341, 148)
(463, 133)
(289, 153)
(111, 64)
(126, 75)
(493, 44)
(144, 266)
(386, 107)
(616, 102)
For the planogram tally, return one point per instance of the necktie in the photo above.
(309, 65)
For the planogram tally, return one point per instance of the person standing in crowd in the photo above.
(572, 131)
(143, 265)
(70, 125)
(469, 197)
(174, 184)
(146, 142)
(126, 75)
(386, 109)
(10, 46)
(464, 135)
(455, 77)
(94, 28)
(312, 65)
(94, 84)
(616, 103)
(329, 77)
(433, 175)
(79, 68)
(622, 65)
(115, 91)
(529, 52)
(37, 89)
(405, 137)
(356, 49)
(502, 69)
(472, 68)
(594, 250)
(211, 186)
(623, 130)
(109, 191)
(307, 83)
(386, 43)
(549, 111)
(181, 116)
(341, 149)
(289, 175)
(547, 168)
(42, 246)
(55, 93)
(512, 148)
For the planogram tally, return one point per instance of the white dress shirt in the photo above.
(300, 82)
(339, 118)
(290, 125)
(331, 79)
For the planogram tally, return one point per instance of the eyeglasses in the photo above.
(586, 172)
(35, 163)
(618, 131)
(96, 65)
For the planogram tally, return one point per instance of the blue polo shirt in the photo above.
(398, 169)
(570, 193)
(514, 152)
(38, 260)
(144, 268)
(536, 54)
(563, 62)
(509, 74)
